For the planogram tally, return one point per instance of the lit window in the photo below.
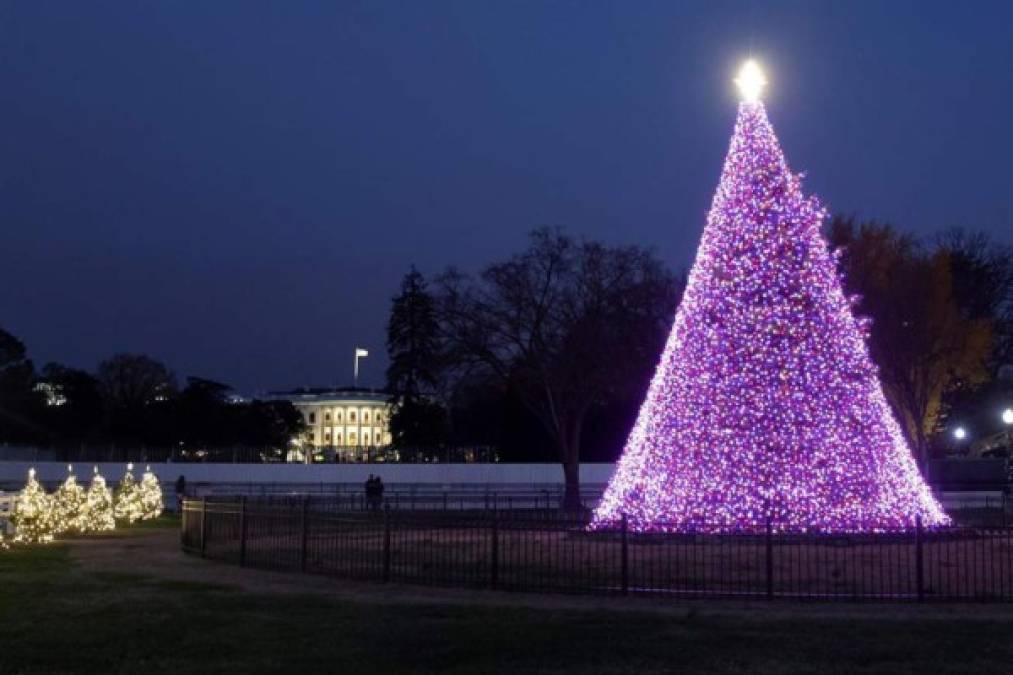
(351, 416)
(365, 418)
(313, 418)
(327, 417)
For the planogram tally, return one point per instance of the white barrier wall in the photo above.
(434, 474)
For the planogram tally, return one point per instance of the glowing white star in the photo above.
(750, 81)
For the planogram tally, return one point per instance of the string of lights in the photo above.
(39, 517)
(765, 404)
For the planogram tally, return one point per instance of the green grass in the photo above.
(57, 617)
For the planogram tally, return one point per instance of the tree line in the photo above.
(130, 400)
(550, 352)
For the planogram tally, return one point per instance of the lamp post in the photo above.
(1007, 419)
(960, 435)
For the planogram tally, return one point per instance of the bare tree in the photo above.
(565, 324)
(925, 335)
(982, 272)
(131, 381)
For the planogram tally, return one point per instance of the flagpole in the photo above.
(359, 352)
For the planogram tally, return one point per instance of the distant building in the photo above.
(343, 419)
(52, 393)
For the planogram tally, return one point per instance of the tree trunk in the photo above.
(569, 453)
(571, 486)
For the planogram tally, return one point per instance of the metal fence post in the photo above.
(203, 525)
(919, 559)
(1004, 509)
(494, 553)
(304, 530)
(386, 544)
(242, 531)
(770, 558)
(625, 555)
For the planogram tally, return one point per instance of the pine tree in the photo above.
(765, 403)
(70, 504)
(127, 499)
(100, 505)
(33, 516)
(151, 495)
(414, 350)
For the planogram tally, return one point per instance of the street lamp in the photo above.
(1007, 419)
(960, 433)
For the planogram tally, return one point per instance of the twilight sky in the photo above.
(236, 188)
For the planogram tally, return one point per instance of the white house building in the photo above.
(342, 419)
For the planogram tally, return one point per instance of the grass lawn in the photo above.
(58, 615)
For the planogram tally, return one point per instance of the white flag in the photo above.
(359, 351)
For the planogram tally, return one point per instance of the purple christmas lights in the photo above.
(765, 402)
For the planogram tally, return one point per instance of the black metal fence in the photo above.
(542, 550)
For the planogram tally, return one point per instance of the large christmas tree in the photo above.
(765, 403)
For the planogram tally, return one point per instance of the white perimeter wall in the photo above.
(436, 474)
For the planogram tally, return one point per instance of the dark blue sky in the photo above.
(237, 188)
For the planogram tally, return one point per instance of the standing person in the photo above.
(379, 492)
(180, 492)
(370, 488)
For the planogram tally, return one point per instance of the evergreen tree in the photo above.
(765, 408)
(100, 505)
(412, 377)
(33, 516)
(70, 504)
(127, 500)
(151, 495)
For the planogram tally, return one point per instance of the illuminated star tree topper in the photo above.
(765, 404)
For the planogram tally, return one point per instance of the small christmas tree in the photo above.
(151, 495)
(33, 514)
(127, 504)
(70, 505)
(100, 505)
